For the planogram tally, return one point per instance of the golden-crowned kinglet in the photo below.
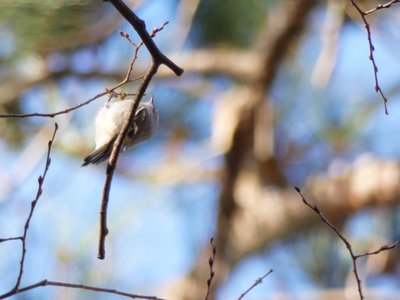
(109, 122)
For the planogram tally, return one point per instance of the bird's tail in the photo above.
(99, 155)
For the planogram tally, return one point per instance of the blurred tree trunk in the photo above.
(245, 154)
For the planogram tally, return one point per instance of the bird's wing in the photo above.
(100, 154)
(138, 121)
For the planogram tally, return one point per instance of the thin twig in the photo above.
(344, 240)
(381, 6)
(381, 249)
(137, 47)
(257, 282)
(67, 110)
(158, 58)
(114, 157)
(11, 239)
(46, 282)
(153, 34)
(33, 205)
(354, 257)
(52, 115)
(126, 80)
(140, 27)
(363, 15)
(211, 261)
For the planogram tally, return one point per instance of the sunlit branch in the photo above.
(381, 6)
(46, 282)
(211, 261)
(67, 110)
(11, 239)
(381, 249)
(257, 282)
(348, 245)
(33, 205)
(140, 27)
(157, 59)
(363, 15)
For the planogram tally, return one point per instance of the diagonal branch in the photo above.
(381, 249)
(140, 27)
(126, 80)
(65, 111)
(72, 108)
(348, 245)
(157, 59)
(11, 239)
(381, 6)
(257, 282)
(211, 261)
(46, 282)
(344, 240)
(33, 205)
(283, 29)
(363, 15)
(114, 157)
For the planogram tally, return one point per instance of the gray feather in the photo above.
(99, 155)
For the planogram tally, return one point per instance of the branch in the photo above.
(363, 15)
(211, 264)
(381, 6)
(140, 27)
(33, 205)
(344, 240)
(67, 110)
(23, 85)
(11, 239)
(114, 157)
(381, 249)
(46, 282)
(285, 25)
(126, 80)
(257, 282)
(157, 59)
(109, 91)
(209, 61)
(354, 257)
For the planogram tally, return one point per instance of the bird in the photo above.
(109, 122)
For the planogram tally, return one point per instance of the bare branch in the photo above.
(114, 157)
(46, 282)
(285, 25)
(211, 264)
(354, 257)
(52, 115)
(344, 240)
(157, 59)
(363, 15)
(257, 282)
(381, 249)
(11, 239)
(381, 6)
(140, 27)
(33, 205)
(126, 80)
(67, 110)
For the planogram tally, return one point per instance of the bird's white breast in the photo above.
(110, 120)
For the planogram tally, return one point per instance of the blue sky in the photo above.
(157, 230)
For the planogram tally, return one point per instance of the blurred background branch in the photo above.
(275, 94)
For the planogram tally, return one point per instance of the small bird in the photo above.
(109, 122)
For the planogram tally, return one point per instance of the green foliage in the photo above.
(40, 25)
(234, 22)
